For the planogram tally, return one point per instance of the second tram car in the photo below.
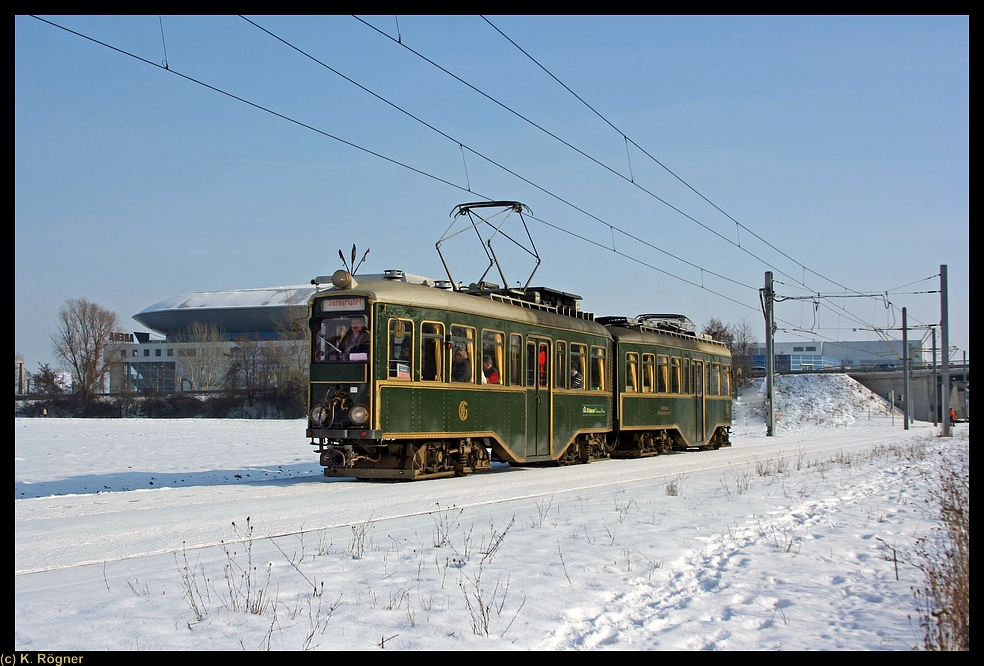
(673, 386)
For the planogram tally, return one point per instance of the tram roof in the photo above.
(489, 304)
(670, 338)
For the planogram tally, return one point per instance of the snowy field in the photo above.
(222, 535)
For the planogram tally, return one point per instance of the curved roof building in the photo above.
(254, 312)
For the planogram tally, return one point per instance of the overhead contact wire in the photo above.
(254, 105)
(488, 159)
(738, 224)
(569, 145)
(398, 163)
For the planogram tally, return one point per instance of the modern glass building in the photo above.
(859, 355)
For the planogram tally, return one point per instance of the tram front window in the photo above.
(341, 339)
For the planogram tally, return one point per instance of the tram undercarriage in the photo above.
(658, 442)
(585, 449)
(409, 461)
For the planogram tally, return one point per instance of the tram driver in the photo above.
(356, 339)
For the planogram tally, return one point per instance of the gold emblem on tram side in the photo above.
(463, 410)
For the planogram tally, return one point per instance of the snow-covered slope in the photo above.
(814, 400)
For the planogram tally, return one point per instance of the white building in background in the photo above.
(155, 361)
(847, 356)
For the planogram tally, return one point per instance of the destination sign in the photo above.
(340, 304)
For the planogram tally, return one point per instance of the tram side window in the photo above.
(726, 380)
(686, 376)
(579, 355)
(530, 363)
(493, 356)
(598, 357)
(537, 370)
(715, 384)
(560, 365)
(662, 374)
(675, 383)
(431, 346)
(462, 354)
(400, 348)
(515, 359)
(631, 372)
(648, 372)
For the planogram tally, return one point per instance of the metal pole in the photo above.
(935, 400)
(905, 368)
(966, 385)
(945, 328)
(768, 298)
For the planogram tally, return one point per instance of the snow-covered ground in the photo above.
(223, 535)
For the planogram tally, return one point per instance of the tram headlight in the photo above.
(319, 415)
(358, 415)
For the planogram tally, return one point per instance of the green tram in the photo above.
(411, 380)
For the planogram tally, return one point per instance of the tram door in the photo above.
(537, 397)
(697, 367)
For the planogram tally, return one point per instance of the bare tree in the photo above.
(203, 360)
(718, 330)
(82, 342)
(740, 339)
(249, 370)
(295, 347)
(743, 340)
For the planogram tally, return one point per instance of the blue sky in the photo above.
(836, 147)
